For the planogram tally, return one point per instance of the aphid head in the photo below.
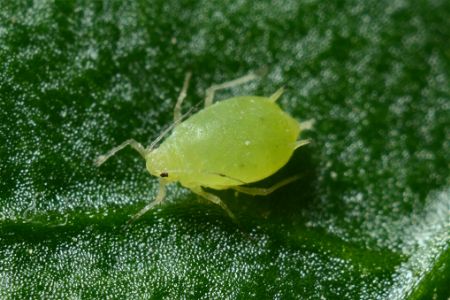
(157, 165)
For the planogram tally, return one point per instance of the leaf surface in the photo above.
(369, 218)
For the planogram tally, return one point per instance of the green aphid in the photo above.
(226, 145)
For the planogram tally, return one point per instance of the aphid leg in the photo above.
(214, 199)
(274, 97)
(216, 87)
(255, 191)
(136, 146)
(307, 125)
(159, 198)
(177, 108)
(300, 143)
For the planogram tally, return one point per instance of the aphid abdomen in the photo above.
(232, 142)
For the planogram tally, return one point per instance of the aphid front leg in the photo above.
(216, 87)
(181, 97)
(214, 199)
(135, 145)
(255, 191)
(159, 198)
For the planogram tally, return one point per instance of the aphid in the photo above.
(226, 145)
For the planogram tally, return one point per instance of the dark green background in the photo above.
(370, 218)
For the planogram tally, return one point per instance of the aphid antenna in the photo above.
(172, 126)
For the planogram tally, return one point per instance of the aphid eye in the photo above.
(164, 174)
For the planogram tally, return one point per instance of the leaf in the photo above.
(369, 219)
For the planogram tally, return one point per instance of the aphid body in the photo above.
(236, 141)
(228, 144)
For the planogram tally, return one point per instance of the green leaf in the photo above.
(369, 219)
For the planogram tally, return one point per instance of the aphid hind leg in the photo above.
(159, 199)
(214, 199)
(255, 191)
(135, 145)
(181, 97)
(307, 125)
(216, 87)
